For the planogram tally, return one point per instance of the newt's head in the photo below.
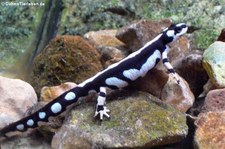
(173, 32)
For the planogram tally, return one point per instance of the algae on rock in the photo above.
(138, 120)
(214, 63)
(66, 58)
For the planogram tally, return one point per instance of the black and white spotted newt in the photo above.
(116, 76)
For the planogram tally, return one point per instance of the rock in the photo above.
(214, 62)
(28, 142)
(138, 120)
(50, 93)
(16, 97)
(210, 130)
(179, 50)
(153, 82)
(222, 36)
(137, 34)
(46, 129)
(111, 49)
(110, 55)
(214, 101)
(190, 68)
(178, 95)
(66, 58)
(207, 87)
(104, 38)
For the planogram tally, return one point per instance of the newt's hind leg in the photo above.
(100, 107)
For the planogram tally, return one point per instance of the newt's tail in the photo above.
(53, 108)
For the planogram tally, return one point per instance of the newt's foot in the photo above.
(102, 111)
(176, 77)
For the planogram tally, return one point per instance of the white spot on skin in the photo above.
(133, 74)
(164, 54)
(42, 115)
(70, 96)
(150, 63)
(56, 107)
(116, 64)
(20, 127)
(170, 33)
(116, 82)
(30, 122)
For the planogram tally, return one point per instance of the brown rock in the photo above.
(207, 87)
(222, 36)
(46, 129)
(210, 133)
(50, 93)
(104, 38)
(66, 58)
(178, 50)
(190, 68)
(111, 49)
(140, 32)
(214, 101)
(178, 95)
(16, 97)
(28, 142)
(152, 83)
(110, 55)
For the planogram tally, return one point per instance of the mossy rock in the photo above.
(214, 63)
(138, 120)
(65, 59)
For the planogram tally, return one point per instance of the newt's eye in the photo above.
(178, 29)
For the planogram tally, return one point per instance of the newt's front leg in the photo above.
(168, 65)
(100, 107)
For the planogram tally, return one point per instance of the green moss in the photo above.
(209, 23)
(205, 37)
(66, 58)
(137, 119)
(89, 15)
